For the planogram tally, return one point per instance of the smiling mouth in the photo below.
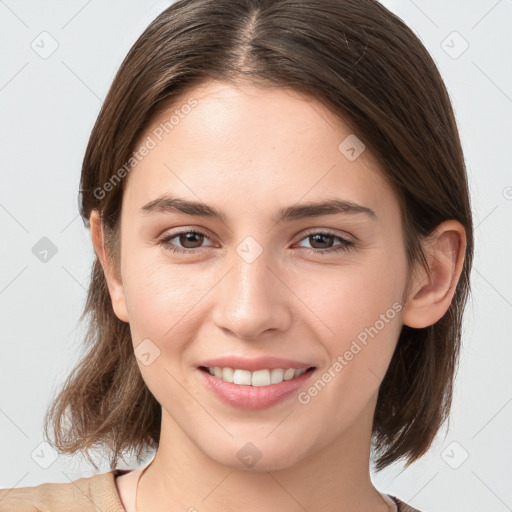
(265, 377)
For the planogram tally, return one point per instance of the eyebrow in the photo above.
(171, 204)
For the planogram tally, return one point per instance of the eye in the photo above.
(189, 238)
(325, 237)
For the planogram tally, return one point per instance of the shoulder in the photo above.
(93, 493)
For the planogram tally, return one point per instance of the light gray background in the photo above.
(48, 107)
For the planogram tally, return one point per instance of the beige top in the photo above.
(98, 492)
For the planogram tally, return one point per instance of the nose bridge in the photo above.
(251, 299)
(251, 278)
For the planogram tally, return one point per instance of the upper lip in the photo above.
(254, 363)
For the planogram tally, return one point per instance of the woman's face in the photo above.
(258, 284)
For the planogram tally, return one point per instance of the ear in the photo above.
(114, 283)
(430, 296)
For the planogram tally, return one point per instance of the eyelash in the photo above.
(346, 245)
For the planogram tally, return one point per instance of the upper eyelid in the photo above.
(330, 232)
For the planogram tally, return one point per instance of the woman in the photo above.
(237, 139)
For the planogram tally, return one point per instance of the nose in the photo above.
(253, 298)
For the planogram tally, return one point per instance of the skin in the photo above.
(250, 152)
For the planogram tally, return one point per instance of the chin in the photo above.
(257, 456)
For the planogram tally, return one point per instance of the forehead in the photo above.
(253, 146)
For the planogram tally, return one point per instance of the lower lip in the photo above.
(253, 397)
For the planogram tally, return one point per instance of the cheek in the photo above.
(163, 299)
(357, 317)
(157, 295)
(348, 299)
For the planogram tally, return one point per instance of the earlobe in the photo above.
(114, 283)
(431, 294)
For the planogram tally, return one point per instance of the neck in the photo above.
(333, 478)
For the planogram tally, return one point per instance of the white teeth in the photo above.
(242, 377)
(227, 374)
(276, 376)
(256, 378)
(289, 374)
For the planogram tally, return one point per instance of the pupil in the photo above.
(318, 238)
(189, 238)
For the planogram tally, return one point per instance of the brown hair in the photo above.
(366, 66)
